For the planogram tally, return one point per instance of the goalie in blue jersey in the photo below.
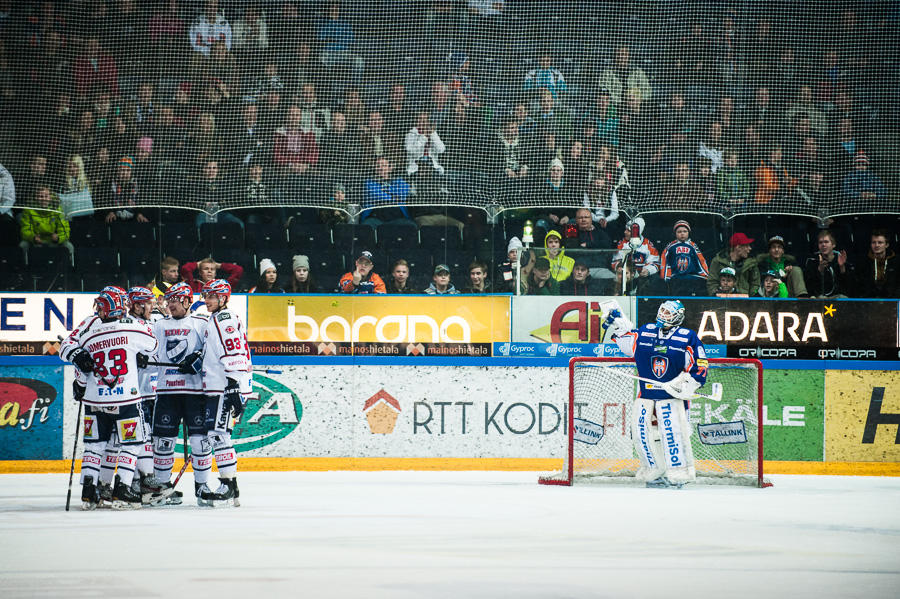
(674, 356)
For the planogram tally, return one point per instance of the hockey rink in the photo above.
(453, 535)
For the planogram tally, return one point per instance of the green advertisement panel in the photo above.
(793, 415)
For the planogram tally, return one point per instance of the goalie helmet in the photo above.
(139, 295)
(670, 314)
(110, 304)
(218, 288)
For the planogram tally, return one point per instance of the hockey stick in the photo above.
(173, 365)
(74, 449)
(716, 394)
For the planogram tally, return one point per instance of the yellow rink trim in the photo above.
(458, 464)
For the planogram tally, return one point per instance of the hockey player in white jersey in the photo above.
(180, 394)
(666, 352)
(227, 381)
(105, 348)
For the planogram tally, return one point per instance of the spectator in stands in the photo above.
(624, 76)
(552, 118)
(727, 284)
(340, 150)
(83, 136)
(122, 193)
(399, 281)
(166, 29)
(337, 214)
(804, 104)
(545, 77)
(706, 182)
(209, 27)
(99, 168)
(753, 153)
(879, 272)
(846, 149)
(212, 194)
(682, 265)
(785, 265)
(560, 264)
(583, 283)
(44, 224)
(398, 114)
(713, 147)
(7, 193)
(539, 281)
(440, 103)
(314, 117)
(166, 277)
(268, 278)
(440, 282)
(354, 110)
(527, 125)
(145, 166)
(202, 143)
(773, 181)
(862, 184)
(218, 66)
(336, 36)
(462, 135)
(762, 115)
(385, 199)
(75, 191)
(478, 279)
(258, 197)
(682, 192)
(207, 270)
(303, 281)
(731, 131)
(249, 141)
(95, 67)
(694, 61)
(362, 279)
(593, 238)
(578, 168)
(772, 285)
(296, 152)
(423, 146)
(600, 125)
(636, 135)
(36, 176)
(801, 130)
(737, 257)
(515, 252)
(251, 34)
(555, 192)
(304, 68)
(636, 255)
(602, 201)
(461, 85)
(512, 162)
(829, 274)
(375, 141)
(141, 111)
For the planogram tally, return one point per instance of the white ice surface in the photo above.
(459, 535)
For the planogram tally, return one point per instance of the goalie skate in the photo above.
(663, 483)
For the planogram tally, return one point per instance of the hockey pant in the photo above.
(220, 423)
(103, 426)
(665, 448)
(168, 414)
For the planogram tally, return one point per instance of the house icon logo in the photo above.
(381, 411)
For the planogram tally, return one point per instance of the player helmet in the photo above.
(218, 288)
(138, 295)
(110, 304)
(179, 291)
(670, 314)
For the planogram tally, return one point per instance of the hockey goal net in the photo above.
(726, 435)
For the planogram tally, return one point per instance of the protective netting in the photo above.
(449, 113)
(604, 398)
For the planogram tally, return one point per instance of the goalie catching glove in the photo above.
(233, 398)
(82, 360)
(192, 364)
(682, 387)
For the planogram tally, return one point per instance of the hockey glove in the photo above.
(142, 360)
(78, 390)
(233, 398)
(82, 360)
(192, 364)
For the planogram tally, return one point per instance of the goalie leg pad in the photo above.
(645, 442)
(675, 434)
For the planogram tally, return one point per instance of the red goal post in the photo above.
(726, 436)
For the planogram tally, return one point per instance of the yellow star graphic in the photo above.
(830, 310)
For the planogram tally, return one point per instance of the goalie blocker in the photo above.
(728, 442)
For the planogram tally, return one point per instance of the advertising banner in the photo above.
(862, 420)
(791, 329)
(31, 412)
(377, 325)
(793, 415)
(31, 322)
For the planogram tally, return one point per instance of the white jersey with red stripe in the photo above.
(227, 355)
(71, 342)
(177, 338)
(113, 345)
(147, 376)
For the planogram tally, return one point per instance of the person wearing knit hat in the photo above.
(636, 262)
(268, 278)
(736, 257)
(683, 265)
(126, 162)
(861, 184)
(507, 271)
(302, 281)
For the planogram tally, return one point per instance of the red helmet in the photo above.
(110, 304)
(179, 291)
(138, 295)
(219, 288)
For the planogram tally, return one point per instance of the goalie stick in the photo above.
(716, 394)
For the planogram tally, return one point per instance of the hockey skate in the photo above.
(165, 494)
(205, 496)
(106, 492)
(663, 483)
(227, 494)
(90, 494)
(124, 497)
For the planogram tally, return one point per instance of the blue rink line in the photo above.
(501, 361)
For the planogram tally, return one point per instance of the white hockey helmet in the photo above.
(670, 314)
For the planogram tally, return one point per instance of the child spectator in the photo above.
(637, 255)
(44, 225)
(399, 281)
(440, 282)
(727, 284)
(362, 279)
(166, 277)
(303, 281)
(206, 271)
(683, 265)
(268, 278)
(784, 265)
(478, 280)
(772, 285)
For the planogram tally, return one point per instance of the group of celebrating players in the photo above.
(142, 368)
